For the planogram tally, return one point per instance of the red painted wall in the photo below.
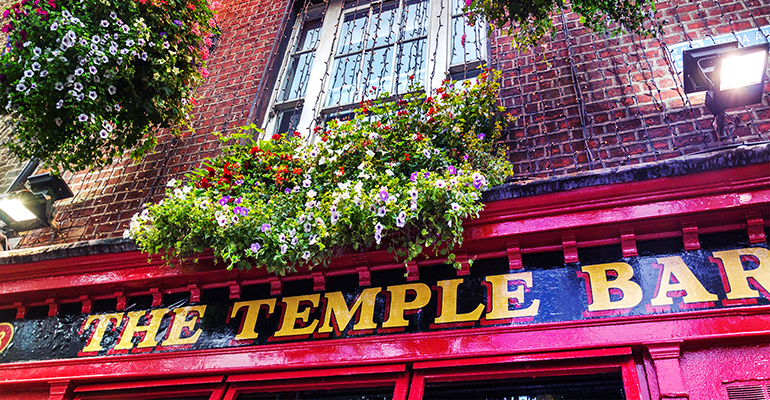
(704, 371)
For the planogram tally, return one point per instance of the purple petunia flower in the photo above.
(239, 182)
(427, 175)
(223, 201)
(413, 177)
(178, 22)
(287, 190)
(451, 169)
(383, 193)
(480, 136)
(255, 247)
(265, 228)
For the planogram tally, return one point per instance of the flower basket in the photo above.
(90, 80)
(404, 173)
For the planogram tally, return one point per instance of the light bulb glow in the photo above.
(16, 210)
(742, 70)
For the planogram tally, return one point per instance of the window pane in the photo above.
(590, 387)
(468, 42)
(288, 120)
(344, 80)
(296, 77)
(412, 62)
(378, 69)
(457, 6)
(383, 25)
(414, 20)
(361, 394)
(352, 32)
(309, 38)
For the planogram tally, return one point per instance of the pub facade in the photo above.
(627, 259)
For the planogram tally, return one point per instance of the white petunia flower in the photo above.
(112, 89)
(78, 86)
(92, 95)
(104, 23)
(103, 134)
(59, 104)
(36, 66)
(58, 121)
(28, 74)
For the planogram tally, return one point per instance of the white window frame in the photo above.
(437, 68)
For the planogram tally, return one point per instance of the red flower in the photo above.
(254, 150)
(276, 137)
(191, 6)
(296, 171)
(297, 134)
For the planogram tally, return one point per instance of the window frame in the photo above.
(313, 111)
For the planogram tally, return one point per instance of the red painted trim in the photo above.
(633, 389)
(703, 327)
(610, 352)
(93, 387)
(352, 370)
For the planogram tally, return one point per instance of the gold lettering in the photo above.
(292, 314)
(103, 322)
(601, 286)
(336, 306)
(501, 296)
(250, 318)
(738, 277)
(398, 303)
(449, 304)
(150, 330)
(687, 282)
(184, 324)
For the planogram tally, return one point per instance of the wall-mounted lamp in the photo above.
(32, 208)
(733, 76)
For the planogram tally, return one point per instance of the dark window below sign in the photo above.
(369, 394)
(601, 386)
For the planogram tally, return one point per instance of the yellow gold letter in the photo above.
(502, 296)
(292, 314)
(184, 324)
(398, 303)
(449, 304)
(687, 282)
(149, 330)
(250, 318)
(335, 305)
(601, 287)
(738, 277)
(103, 321)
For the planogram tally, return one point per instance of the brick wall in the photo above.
(586, 101)
(583, 101)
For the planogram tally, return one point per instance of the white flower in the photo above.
(311, 193)
(82, 118)
(37, 51)
(36, 66)
(144, 58)
(21, 87)
(58, 121)
(171, 183)
(103, 134)
(166, 45)
(105, 59)
(294, 241)
(113, 15)
(455, 206)
(127, 234)
(104, 23)
(308, 227)
(59, 104)
(284, 248)
(29, 74)
(129, 43)
(79, 71)
(117, 107)
(381, 211)
(92, 95)
(81, 96)
(113, 50)
(44, 73)
(97, 79)
(140, 41)
(92, 70)
(359, 186)
(306, 255)
(78, 86)
(234, 218)
(112, 89)
(388, 172)
(222, 220)
(306, 183)
(440, 183)
(54, 26)
(109, 128)
(426, 153)
(125, 28)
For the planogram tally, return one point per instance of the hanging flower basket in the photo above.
(90, 80)
(403, 174)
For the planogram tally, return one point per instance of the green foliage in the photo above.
(529, 20)
(402, 175)
(89, 80)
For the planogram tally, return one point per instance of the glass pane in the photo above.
(383, 25)
(378, 68)
(457, 6)
(414, 20)
(344, 80)
(352, 33)
(468, 42)
(297, 77)
(347, 394)
(310, 35)
(590, 387)
(288, 120)
(412, 62)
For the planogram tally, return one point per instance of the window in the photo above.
(344, 51)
